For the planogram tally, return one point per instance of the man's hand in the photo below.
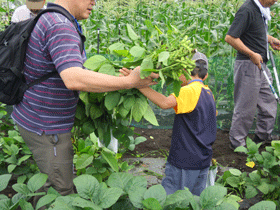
(256, 59)
(274, 43)
(134, 75)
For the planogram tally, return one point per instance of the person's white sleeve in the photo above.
(15, 18)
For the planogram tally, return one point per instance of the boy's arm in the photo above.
(157, 98)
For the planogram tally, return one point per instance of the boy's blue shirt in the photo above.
(194, 129)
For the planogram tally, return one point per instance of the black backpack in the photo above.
(13, 44)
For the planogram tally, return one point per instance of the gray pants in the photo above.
(54, 157)
(251, 93)
(177, 179)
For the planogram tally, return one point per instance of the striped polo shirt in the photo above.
(49, 106)
(194, 128)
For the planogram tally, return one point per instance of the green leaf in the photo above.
(11, 168)
(82, 203)
(137, 51)
(123, 204)
(5, 204)
(264, 188)
(157, 192)
(83, 161)
(87, 186)
(250, 192)
(146, 64)
(62, 204)
(24, 158)
(25, 205)
(119, 180)
(123, 111)
(84, 97)
(111, 160)
(135, 183)
(177, 87)
(163, 57)
(21, 188)
(88, 127)
(241, 149)
(227, 206)
(235, 172)
(110, 197)
(107, 69)
(21, 179)
(252, 146)
(132, 35)
(37, 181)
(139, 109)
(233, 181)
(124, 53)
(116, 46)
(211, 196)
(95, 62)
(152, 204)
(139, 140)
(264, 205)
(112, 99)
(179, 199)
(95, 111)
(256, 178)
(150, 116)
(129, 101)
(47, 199)
(136, 197)
(4, 181)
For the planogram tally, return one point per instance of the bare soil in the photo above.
(159, 141)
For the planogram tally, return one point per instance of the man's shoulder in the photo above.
(248, 6)
(54, 19)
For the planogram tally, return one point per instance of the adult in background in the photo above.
(248, 34)
(45, 116)
(31, 9)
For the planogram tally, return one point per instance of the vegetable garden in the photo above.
(160, 37)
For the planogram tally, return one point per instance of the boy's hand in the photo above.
(135, 75)
(125, 72)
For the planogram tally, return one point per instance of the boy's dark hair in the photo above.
(200, 69)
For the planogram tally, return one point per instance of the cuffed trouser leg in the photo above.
(267, 109)
(247, 84)
(54, 157)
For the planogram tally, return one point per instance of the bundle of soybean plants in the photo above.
(110, 114)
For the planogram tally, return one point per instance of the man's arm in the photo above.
(237, 44)
(274, 43)
(76, 78)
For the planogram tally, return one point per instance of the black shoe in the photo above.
(266, 141)
(233, 148)
(272, 137)
(258, 140)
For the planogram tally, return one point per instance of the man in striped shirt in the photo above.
(46, 114)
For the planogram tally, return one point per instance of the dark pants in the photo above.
(251, 94)
(54, 157)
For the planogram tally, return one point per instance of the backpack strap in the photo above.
(71, 18)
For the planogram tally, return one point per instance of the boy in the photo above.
(194, 130)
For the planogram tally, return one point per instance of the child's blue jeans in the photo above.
(178, 179)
